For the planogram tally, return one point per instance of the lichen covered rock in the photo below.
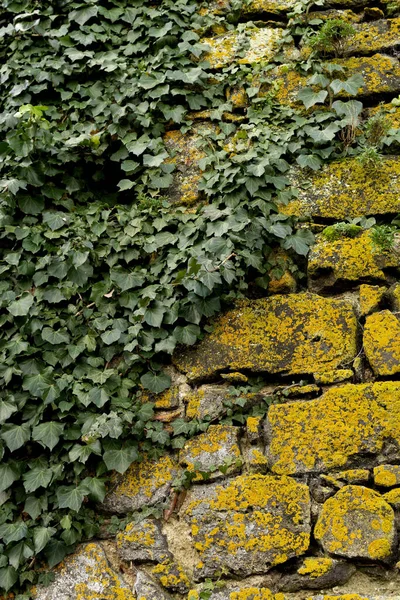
(86, 575)
(394, 297)
(387, 475)
(345, 188)
(171, 576)
(147, 588)
(357, 523)
(315, 573)
(331, 431)
(347, 260)
(382, 342)
(248, 524)
(144, 484)
(237, 592)
(336, 376)
(370, 298)
(217, 447)
(376, 36)
(207, 402)
(143, 542)
(297, 333)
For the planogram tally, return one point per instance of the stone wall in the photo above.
(301, 500)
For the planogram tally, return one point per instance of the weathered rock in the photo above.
(207, 402)
(250, 45)
(148, 589)
(387, 475)
(253, 428)
(330, 432)
(347, 189)
(353, 597)
(315, 573)
(248, 524)
(171, 576)
(298, 390)
(375, 36)
(382, 342)
(297, 333)
(394, 296)
(347, 261)
(370, 298)
(357, 523)
(393, 498)
(217, 447)
(255, 459)
(352, 476)
(86, 574)
(333, 376)
(237, 592)
(143, 484)
(143, 542)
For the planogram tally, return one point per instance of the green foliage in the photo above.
(341, 230)
(369, 157)
(384, 237)
(333, 37)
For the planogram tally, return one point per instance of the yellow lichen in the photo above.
(354, 475)
(253, 593)
(387, 475)
(349, 519)
(381, 342)
(193, 403)
(393, 497)
(145, 535)
(146, 476)
(370, 297)
(170, 574)
(374, 37)
(325, 433)
(336, 376)
(315, 567)
(253, 424)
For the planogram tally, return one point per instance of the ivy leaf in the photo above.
(95, 488)
(6, 410)
(309, 160)
(300, 242)
(70, 497)
(55, 552)
(31, 205)
(21, 307)
(120, 460)
(309, 98)
(41, 537)
(155, 382)
(125, 184)
(187, 335)
(48, 433)
(8, 577)
(109, 337)
(154, 315)
(36, 478)
(55, 337)
(55, 220)
(15, 436)
(84, 14)
(7, 476)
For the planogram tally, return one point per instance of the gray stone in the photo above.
(316, 573)
(148, 589)
(207, 452)
(143, 542)
(86, 574)
(248, 524)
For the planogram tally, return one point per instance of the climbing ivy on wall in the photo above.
(102, 277)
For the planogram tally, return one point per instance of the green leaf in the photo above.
(13, 532)
(310, 98)
(70, 497)
(48, 433)
(33, 506)
(125, 184)
(36, 478)
(111, 336)
(309, 160)
(155, 382)
(8, 577)
(154, 315)
(187, 335)
(31, 205)
(154, 161)
(96, 488)
(55, 552)
(55, 337)
(15, 436)
(8, 475)
(6, 410)
(120, 460)
(126, 280)
(21, 307)
(83, 15)
(55, 220)
(42, 536)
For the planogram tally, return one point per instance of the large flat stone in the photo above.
(376, 36)
(347, 422)
(315, 573)
(143, 542)
(248, 524)
(357, 523)
(295, 333)
(347, 261)
(382, 342)
(344, 189)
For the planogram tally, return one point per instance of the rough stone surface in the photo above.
(315, 573)
(370, 298)
(333, 376)
(377, 36)
(148, 589)
(357, 523)
(171, 576)
(347, 261)
(346, 189)
(248, 523)
(297, 333)
(239, 592)
(143, 542)
(394, 296)
(345, 422)
(217, 447)
(387, 475)
(207, 402)
(87, 575)
(143, 484)
(382, 342)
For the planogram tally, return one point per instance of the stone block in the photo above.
(347, 261)
(217, 447)
(345, 188)
(387, 475)
(143, 542)
(375, 36)
(291, 334)
(147, 588)
(315, 573)
(207, 402)
(248, 524)
(144, 484)
(346, 422)
(382, 342)
(357, 523)
(370, 298)
(171, 576)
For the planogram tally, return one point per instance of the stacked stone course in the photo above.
(306, 505)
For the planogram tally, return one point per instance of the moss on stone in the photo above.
(375, 36)
(387, 475)
(345, 188)
(393, 498)
(382, 342)
(295, 333)
(370, 298)
(326, 433)
(336, 376)
(357, 523)
(315, 567)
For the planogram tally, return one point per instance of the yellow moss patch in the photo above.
(382, 342)
(370, 297)
(253, 424)
(145, 476)
(282, 285)
(318, 435)
(374, 37)
(393, 498)
(145, 536)
(345, 188)
(315, 567)
(356, 522)
(336, 376)
(253, 593)
(171, 575)
(354, 475)
(296, 333)
(394, 296)
(387, 475)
